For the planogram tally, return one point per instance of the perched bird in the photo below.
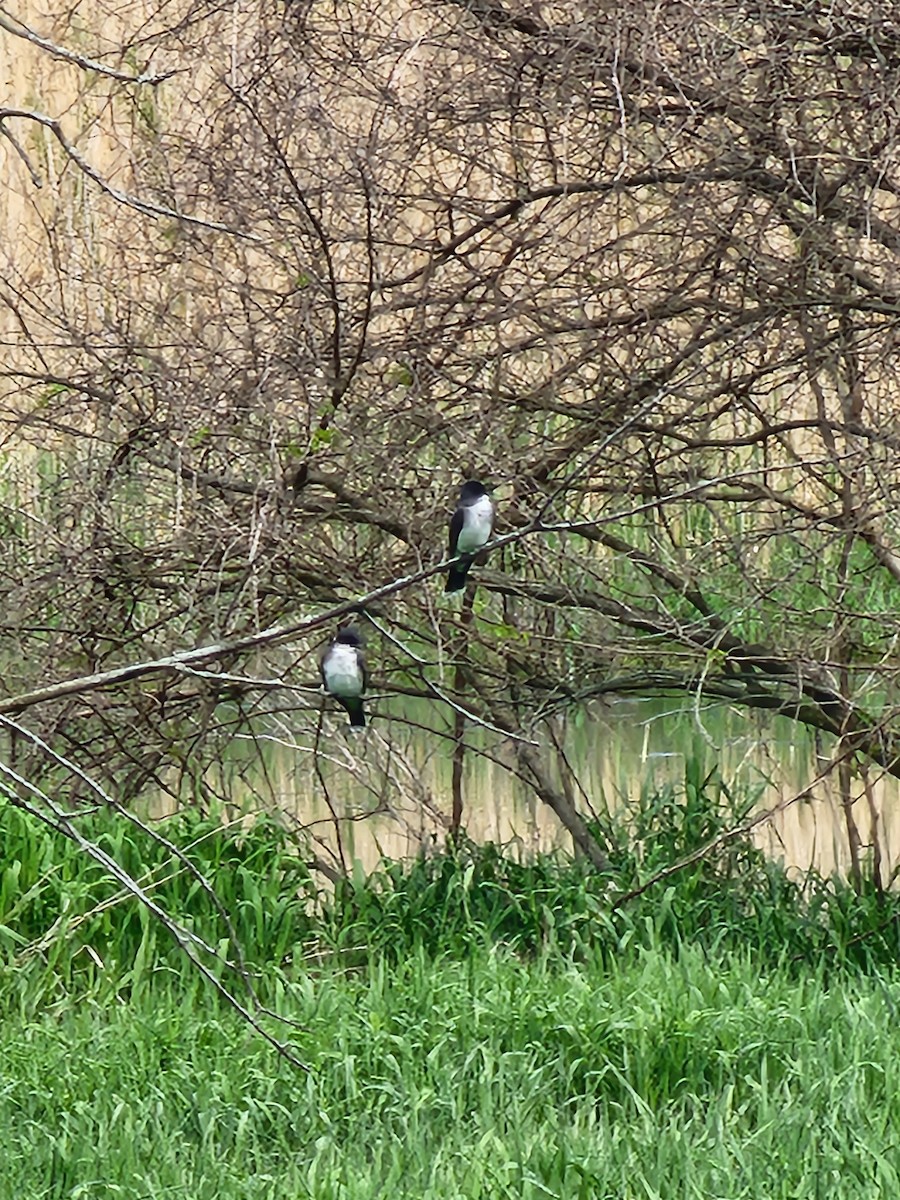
(344, 674)
(470, 529)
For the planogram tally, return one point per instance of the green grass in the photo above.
(474, 1026)
(492, 1077)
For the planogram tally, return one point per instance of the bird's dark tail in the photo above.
(355, 713)
(456, 578)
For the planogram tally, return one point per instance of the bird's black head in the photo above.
(472, 490)
(347, 637)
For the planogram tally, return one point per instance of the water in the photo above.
(388, 791)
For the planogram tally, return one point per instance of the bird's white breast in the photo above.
(478, 520)
(342, 674)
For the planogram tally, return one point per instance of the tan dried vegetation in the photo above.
(634, 264)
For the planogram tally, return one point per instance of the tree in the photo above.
(635, 268)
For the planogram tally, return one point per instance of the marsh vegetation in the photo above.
(471, 1024)
(276, 281)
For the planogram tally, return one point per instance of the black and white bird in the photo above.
(470, 528)
(344, 674)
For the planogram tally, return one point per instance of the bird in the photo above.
(345, 675)
(470, 528)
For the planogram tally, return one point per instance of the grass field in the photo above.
(728, 1035)
(490, 1077)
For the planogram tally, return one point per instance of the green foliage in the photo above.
(728, 898)
(400, 374)
(465, 896)
(60, 908)
(729, 891)
(490, 1077)
(799, 583)
(474, 1025)
(147, 111)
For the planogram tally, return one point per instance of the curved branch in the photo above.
(49, 812)
(860, 732)
(19, 29)
(147, 207)
(802, 185)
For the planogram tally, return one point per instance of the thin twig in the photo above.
(147, 207)
(185, 938)
(20, 150)
(721, 838)
(187, 660)
(19, 29)
(440, 693)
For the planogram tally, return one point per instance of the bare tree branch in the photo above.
(148, 207)
(21, 30)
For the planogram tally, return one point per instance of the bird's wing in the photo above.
(363, 669)
(456, 524)
(322, 658)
